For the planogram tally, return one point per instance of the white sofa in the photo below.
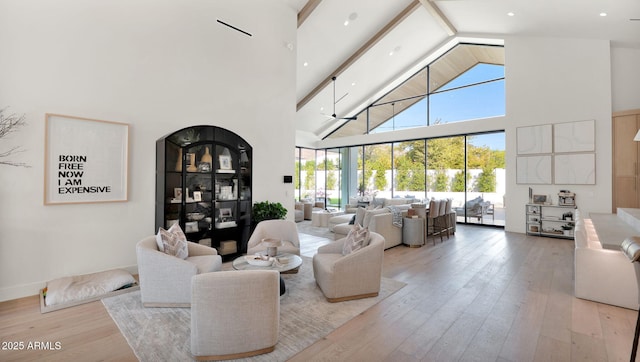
(603, 275)
(378, 221)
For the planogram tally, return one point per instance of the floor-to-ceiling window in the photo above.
(333, 175)
(307, 174)
(409, 176)
(377, 170)
(320, 171)
(296, 174)
(445, 168)
(468, 169)
(486, 172)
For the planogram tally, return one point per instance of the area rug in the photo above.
(305, 227)
(163, 334)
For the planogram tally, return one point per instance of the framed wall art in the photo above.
(534, 139)
(574, 136)
(86, 160)
(534, 170)
(575, 169)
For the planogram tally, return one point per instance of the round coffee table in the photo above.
(294, 261)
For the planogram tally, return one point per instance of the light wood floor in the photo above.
(483, 295)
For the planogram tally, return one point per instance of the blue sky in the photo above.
(480, 101)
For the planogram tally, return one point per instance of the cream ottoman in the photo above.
(339, 219)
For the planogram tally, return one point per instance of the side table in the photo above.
(413, 232)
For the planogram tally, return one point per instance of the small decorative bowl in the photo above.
(195, 216)
(257, 260)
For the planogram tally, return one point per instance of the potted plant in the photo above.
(567, 229)
(266, 210)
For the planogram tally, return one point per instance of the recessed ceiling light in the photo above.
(352, 17)
(353, 84)
(395, 50)
(603, 14)
(305, 64)
(321, 109)
(511, 13)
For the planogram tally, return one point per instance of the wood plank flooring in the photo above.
(482, 295)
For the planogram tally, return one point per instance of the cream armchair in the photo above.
(285, 230)
(165, 280)
(352, 276)
(235, 314)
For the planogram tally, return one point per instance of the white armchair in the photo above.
(352, 276)
(235, 314)
(285, 230)
(165, 280)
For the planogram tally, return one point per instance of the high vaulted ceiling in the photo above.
(371, 47)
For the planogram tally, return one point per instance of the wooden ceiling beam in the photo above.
(439, 16)
(415, 4)
(308, 8)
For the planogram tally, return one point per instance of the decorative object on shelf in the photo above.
(191, 227)
(195, 216)
(205, 161)
(177, 193)
(539, 199)
(179, 162)
(171, 222)
(225, 214)
(207, 156)
(567, 229)
(235, 188)
(192, 162)
(266, 210)
(226, 193)
(204, 167)
(566, 198)
(225, 159)
(225, 162)
(197, 196)
(244, 159)
(189, 136)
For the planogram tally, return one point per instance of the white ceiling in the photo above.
(325, 43)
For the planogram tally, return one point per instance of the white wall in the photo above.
(548, 80)
(625, 78)
(556, 81)
(159, 66)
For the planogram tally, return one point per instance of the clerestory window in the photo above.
(466, 83)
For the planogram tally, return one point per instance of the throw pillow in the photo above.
(173, 241)
(357, 238)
